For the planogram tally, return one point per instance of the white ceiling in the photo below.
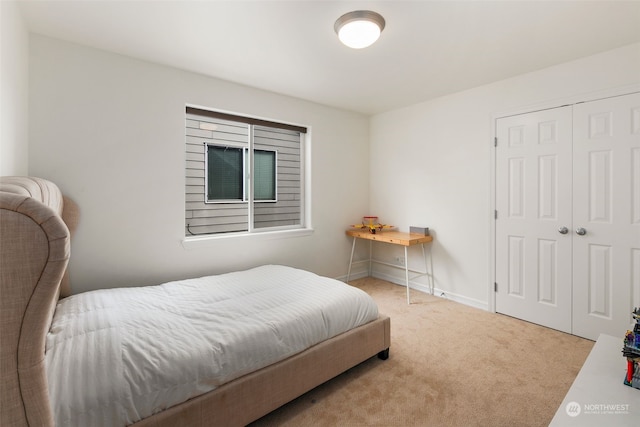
(428, 48)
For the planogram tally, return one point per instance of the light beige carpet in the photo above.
(449, 365)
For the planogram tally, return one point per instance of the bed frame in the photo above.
(36, 223)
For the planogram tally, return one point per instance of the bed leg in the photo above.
(384, 354)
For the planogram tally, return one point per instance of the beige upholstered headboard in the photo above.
(34, 253)
(49, 194)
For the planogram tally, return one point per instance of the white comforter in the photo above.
(119, 355)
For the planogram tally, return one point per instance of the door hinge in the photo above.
(495, 141)
(495, 286)
(495, 214)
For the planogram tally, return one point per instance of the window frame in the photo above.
(303, 225)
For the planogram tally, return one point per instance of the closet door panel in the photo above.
(606, 182)
(533, 200)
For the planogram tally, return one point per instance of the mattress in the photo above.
(116, 356)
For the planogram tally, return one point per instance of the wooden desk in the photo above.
(394, 238)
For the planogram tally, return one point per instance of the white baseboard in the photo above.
(354, 276)
(421, 288)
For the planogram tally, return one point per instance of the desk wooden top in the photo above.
(394, 237)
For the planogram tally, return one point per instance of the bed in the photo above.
(38, 317)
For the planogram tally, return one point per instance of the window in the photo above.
(227, 174)
(243, 174)
(264, 170)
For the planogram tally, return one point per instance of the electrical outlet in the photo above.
(400, 260)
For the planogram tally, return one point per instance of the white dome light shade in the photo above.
(360, 28)
(359, 34)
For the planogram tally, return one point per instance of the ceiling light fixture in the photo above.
(360, 28)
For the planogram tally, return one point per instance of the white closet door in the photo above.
(606, 205)
(533, 202)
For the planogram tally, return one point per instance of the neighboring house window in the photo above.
(225, 174)
(227, 171)
(242, 174)
(264, 171)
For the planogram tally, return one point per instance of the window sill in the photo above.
(211, 240)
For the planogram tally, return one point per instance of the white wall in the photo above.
(14, 78)
(431, 165)
(110, 131)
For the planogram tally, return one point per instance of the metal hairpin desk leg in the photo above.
(406, 273)
(370, 257)
(430, 277)
(428, 268)
(353, 247)
(428, 271)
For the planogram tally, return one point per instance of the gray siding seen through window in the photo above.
(210, 218)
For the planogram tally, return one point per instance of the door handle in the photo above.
(581, 231)
(563, 230)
